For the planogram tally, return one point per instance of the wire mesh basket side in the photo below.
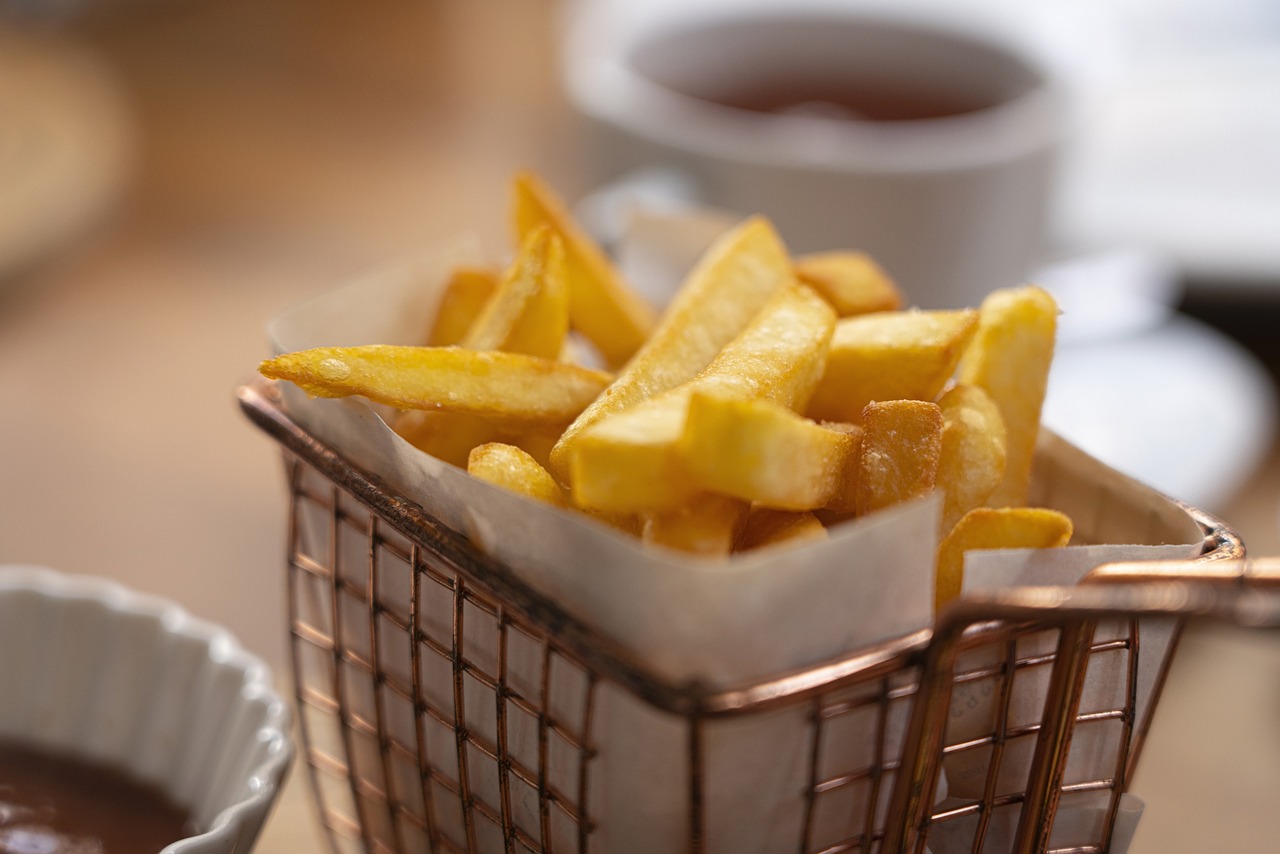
(435, 720)
(1003, 730)
(445, 708)
(426, 704)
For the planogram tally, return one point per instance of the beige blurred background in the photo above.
(268, 150)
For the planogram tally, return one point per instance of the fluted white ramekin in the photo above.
(110, 675)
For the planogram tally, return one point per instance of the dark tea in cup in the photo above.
(833, 66)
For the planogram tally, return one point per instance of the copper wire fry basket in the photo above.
(420, 737)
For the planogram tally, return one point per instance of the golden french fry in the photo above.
(461, 302)
(731, 283)
(898, 459)
(773, 398)
(630, 460)
(843, 500)
(447, 436)
(628, 523)
(1009, 358)
(994, 528)
(529, 313)
(851, 281)
(763, 452)
(602, 306)
(892, 355)
(972, 461)
(526, 312)
(450, 436)
(534, 440)
(493, 384)
(708, 525)
(513, 469)
(766, 527)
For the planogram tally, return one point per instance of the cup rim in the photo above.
(603, 84)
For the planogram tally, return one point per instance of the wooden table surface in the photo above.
(282, 146)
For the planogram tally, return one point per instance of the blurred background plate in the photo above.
(1181, 407)
(65, 145)
(1150, 390)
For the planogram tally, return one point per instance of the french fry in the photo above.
(897, 355)
(898, 458)
(766, 527)
(447, 436)
(994, 528)
(731, 283)
(707, 526)
(774, 398)
(614, 318)
(843, 500)
(851, 281)
(534, 440)
(628, 523)
(511, 468)
(529, 313)
(630, 460)
(450, 436)
(1009, 358)
(972, 461)
(526, 311)
(763, 452)
(461, 302)
(512, 386)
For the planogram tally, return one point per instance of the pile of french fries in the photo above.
(773, 398)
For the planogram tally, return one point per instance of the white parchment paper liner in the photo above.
(725, 623)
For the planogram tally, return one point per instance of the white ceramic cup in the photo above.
(952, 206)
(102, 673)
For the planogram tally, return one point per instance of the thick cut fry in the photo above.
(630, 461)
(732, 282)
(1009, 358)
(602, 306)
(898, 355)
(447, 436)
(768, 527)
(843, 501)
(995, 528)
(461, 302)
(708, 525)
(450, 436)
(511, 468)
(534, 440)
(529, 313)
(762, 452)
(898, 459)
(851, 281)
(973, 451)
(627, 523)
(510, 386)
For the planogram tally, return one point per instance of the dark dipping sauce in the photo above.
(55, 804)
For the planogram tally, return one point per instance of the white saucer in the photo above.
(1178, 406)
(66, 143)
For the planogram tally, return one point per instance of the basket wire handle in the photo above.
(1242, 592)
(1261, 575)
